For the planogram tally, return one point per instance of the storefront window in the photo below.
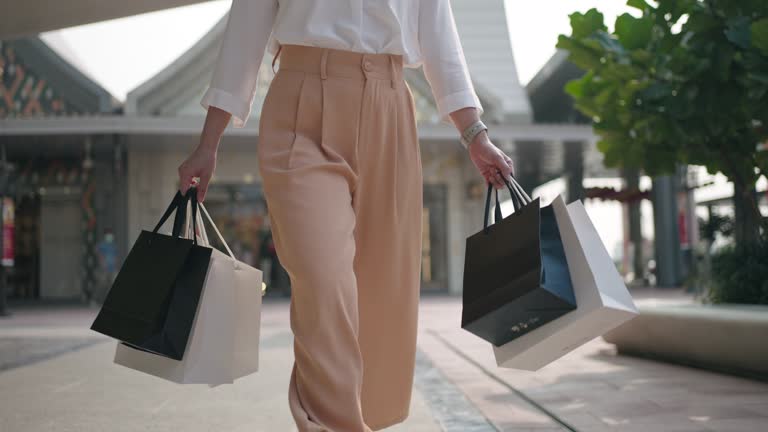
(240, 213)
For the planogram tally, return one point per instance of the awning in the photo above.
(192, 125)
(540, 150)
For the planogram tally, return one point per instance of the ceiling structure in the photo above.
(30, 17)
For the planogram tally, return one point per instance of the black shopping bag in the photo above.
(153, 300)
(515, 273)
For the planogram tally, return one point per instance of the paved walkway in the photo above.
(591, 389)
(57, 375)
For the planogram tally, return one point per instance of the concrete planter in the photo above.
(725, 338)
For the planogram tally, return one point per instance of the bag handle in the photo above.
(202, 233)
(175, 203)
(192, 192)
(178, 202)
(518, 201)
(224, 242)
(206, 242)
(196, 229)
(521, 191)
(191, 201)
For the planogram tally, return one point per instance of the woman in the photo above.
(340, 162)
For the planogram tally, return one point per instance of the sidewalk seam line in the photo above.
(495, 377)
(423, 358)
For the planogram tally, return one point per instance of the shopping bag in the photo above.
(224, 341)
(248, 289)
(603, 300)
(515, 272)
(154, 298)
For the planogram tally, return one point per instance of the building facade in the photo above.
(451, 201)
(63, 188)
(141, 143)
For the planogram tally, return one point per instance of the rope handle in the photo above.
(218, 233)
(519, 200)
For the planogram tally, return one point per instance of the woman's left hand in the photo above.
(490, 160)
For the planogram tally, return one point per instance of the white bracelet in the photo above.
(471, 132)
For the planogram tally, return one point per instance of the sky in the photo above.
(123, 53)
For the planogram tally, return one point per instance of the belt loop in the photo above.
(323, 60)
(392, 67)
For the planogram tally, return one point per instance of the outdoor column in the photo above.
(5, 171)
(574, 166)
(666, 243)
(120, 185)
(632, 183)
(462, 211)
(528, 157)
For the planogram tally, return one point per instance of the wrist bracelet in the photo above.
(471, 132)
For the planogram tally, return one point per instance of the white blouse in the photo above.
(423, 31)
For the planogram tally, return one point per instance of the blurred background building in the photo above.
(78, 163)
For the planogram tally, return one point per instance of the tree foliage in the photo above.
(740, 274)
(679, 81)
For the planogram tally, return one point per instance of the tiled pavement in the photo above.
(69, 388)
(56, 375)
(591, 389)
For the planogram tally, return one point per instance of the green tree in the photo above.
(679, 81)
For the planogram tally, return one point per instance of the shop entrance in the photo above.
(61, 244)
(24, 276)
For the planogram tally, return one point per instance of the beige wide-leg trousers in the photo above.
(341, 168)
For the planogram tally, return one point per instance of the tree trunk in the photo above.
(746, 218)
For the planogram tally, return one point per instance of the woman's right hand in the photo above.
(202, 164)
(492, 163)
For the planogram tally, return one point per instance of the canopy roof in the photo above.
(40, 82)
(550, 102)
(482, 25)
(29, 17)
(484, 35)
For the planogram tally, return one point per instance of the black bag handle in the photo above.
(178, 201)
(521, 192)
(518, 202)
(179, 205)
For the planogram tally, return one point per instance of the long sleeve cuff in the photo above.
(240, 109)
(456, 101)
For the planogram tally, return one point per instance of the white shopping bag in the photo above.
(248, 289)
(602, 300)
(224, 341)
